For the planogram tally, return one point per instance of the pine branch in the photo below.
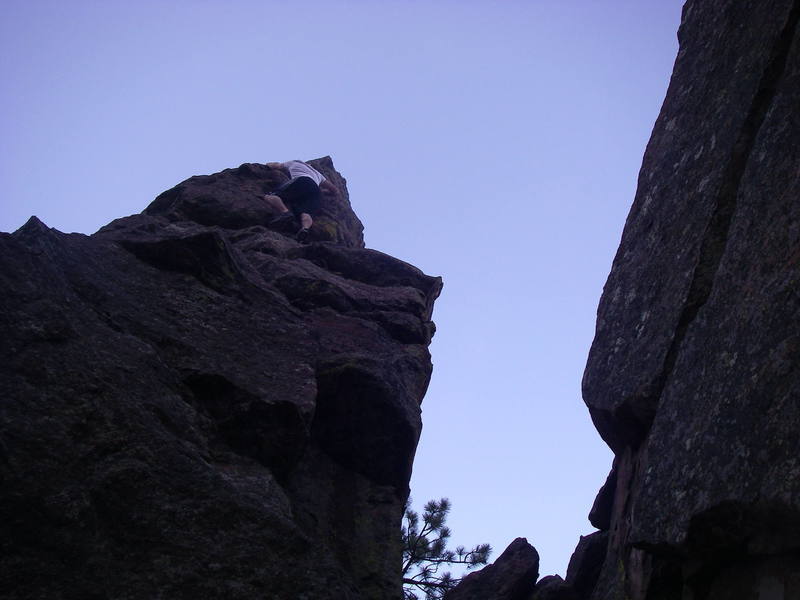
(424, 584)
(426, 549)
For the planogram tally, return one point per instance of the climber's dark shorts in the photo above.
(300, 195)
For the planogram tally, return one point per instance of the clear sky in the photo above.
(494, 143)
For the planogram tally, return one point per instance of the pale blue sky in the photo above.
(496, 144)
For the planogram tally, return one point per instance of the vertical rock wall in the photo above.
(693, 376)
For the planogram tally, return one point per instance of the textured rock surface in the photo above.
(693, 376)
(195, 406)
(232, 199)
(511, 577)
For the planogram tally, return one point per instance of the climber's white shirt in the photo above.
(297, 168)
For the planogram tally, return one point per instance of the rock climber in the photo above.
(298, 198)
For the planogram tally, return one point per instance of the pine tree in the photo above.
(425, 552)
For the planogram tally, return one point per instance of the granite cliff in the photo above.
(693, 378)
(693, 375)
(197, 406)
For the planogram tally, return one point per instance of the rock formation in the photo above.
(693, 375)
(511, 577)
(196, 406)
(693, 378)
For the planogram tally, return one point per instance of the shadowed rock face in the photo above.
(196, 406)
(511, 577)
(693, 376)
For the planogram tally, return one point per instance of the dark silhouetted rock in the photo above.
(600, 514)
(553, 587)
(196, 406)
(511, 577)
(586, 562)
(693, 375)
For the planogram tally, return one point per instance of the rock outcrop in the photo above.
(511, 577)
(586, 563)
(196, 406)
(693, 375)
